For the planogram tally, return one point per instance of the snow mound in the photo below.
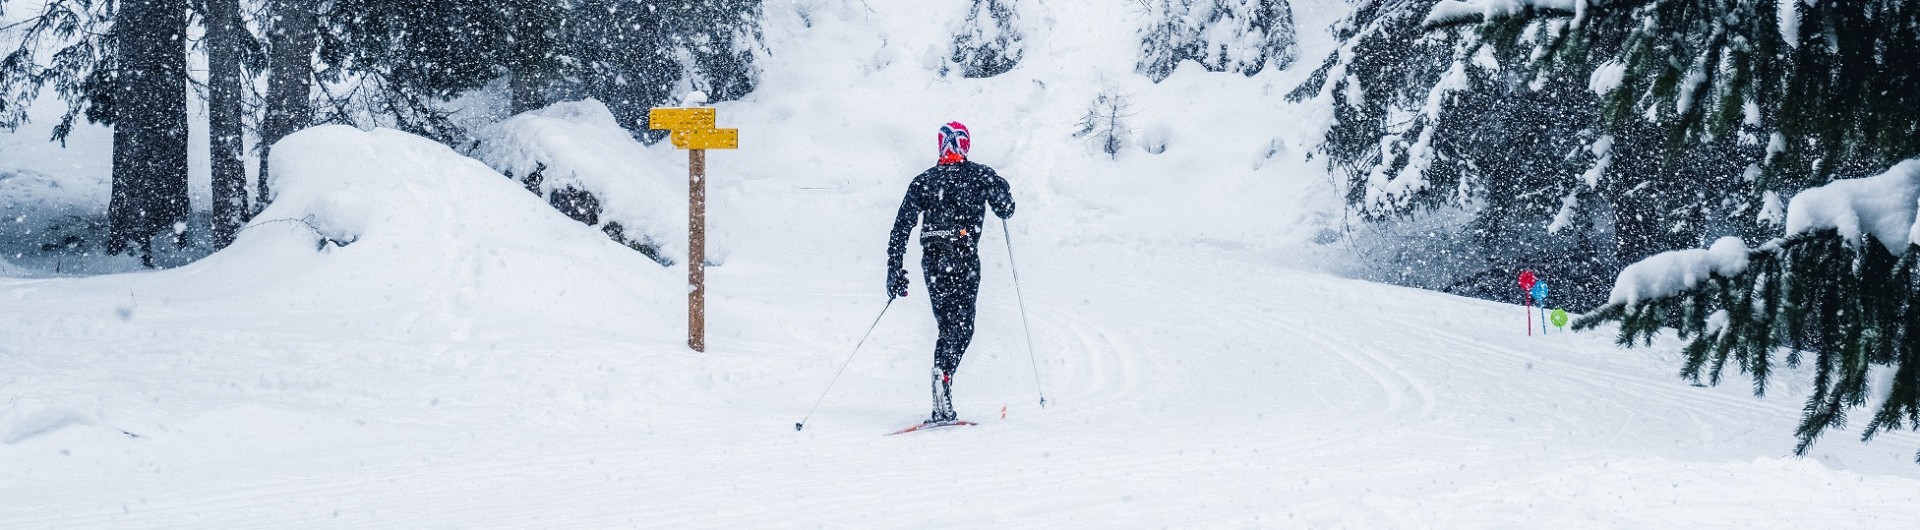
(370, 217)
(31, 416)
(1667, 273)
(579, 146)
(1882, 206)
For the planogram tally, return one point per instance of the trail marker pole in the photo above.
(1527, 279)
(692, 128)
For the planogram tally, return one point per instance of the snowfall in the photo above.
(406, 338)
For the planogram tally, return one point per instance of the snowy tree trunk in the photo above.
(225, 83)
(150, 125)
(533, 51)
(291, 41)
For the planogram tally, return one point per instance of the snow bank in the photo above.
(31, 417)
(1667, 273)
(1882, 206)
(369, 217)
(579, 146)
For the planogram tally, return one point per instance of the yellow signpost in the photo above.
(693, 129)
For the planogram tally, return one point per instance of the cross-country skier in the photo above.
(948, 199)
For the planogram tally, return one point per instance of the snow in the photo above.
(1669, 273)
(1772, 210)
(1695, 79)
(1882, 206)
(1607, 77)
(462, 355)
(579, 145)
(1383, 191)
(1789, 21)
(1458, 11)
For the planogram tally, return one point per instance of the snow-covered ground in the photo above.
(472, 358)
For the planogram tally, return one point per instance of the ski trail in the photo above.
(1293, 399)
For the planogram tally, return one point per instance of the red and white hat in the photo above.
(954, 142)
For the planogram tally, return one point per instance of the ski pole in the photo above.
(843, 367)
(1023, 313)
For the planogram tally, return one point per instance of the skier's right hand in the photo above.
(896, 283)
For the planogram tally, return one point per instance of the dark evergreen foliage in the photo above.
(1854, 306)
(1428, 124)
(1504, 122)
(637, 55)
(1243, 36)
(78, 35)
(1835, 85)
(1836, 93)
(989, 43)
(395, 60)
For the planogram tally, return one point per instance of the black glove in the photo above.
(896, 283)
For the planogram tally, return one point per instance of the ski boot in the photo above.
(942, 398)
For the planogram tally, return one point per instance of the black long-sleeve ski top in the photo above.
(952, 198)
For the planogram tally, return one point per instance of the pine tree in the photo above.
(227, 42)
(639, 55)
(392, 62)
(1809, 80)
(79, 36)
(1438, 119)
(292, 39)
(989, 45)
(1850, 300)
(1105, 123)
(1243, 36)
(1832, 87)
(532, 58)
(149, 126)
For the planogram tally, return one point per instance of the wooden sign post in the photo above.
(692, 128)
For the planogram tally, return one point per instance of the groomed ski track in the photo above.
(1188, 387)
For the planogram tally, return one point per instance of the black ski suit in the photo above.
(949, 199)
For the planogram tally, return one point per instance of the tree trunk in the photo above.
(225, 34)
(149, 126)
(290, 45)
(527, 59)
(526, 94)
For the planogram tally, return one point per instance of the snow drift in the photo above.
(573, 147)
(376, 218)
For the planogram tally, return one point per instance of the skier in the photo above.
(949, 199)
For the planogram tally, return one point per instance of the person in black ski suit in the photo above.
(949, 199)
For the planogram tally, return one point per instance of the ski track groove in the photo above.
(1104, 375)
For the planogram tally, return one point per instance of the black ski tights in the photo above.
(953, 282)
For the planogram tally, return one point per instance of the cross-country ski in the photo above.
(931, 425)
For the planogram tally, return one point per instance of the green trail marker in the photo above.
(1559, 318)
